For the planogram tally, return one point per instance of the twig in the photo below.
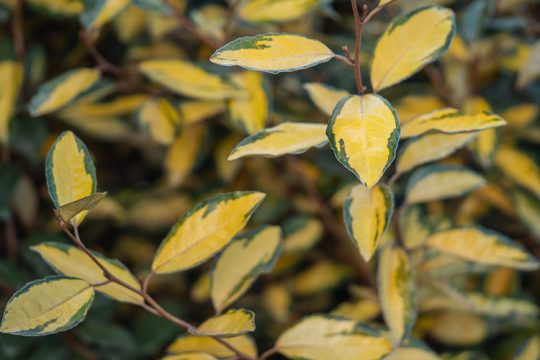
(359, 24)
(332, 224)
(17, 28)
(102, 62)
(436, 79)
(344, 60)
(268, 353)
(377, 10)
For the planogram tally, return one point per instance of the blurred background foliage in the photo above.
(149, 184)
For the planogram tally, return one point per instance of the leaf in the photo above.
(485, 146)
(529, 349)
(323, 276)
(459, 329)
(276, 10)
(194, 111)
(59, 8)
(364, 134)
(70, 172)
(324, 97)
(72, 209)
(302, 233)
(242, 261)
(47, 306)
(285, 138)
(273, 53)
(521, 115)
(437, 182)
(397, 292)
(528, 210)
(367, 213)
(482, 246)
(159, 119)
(530, 70)
(520, 168)
(11, 76)
(182, 154)
(102, 11)
(70, 261)
(62, 90)
(230, 324)
(361, 310)
(450, 121)
(205, 230)
(412, 106)
(428, 30)
(414, 226)
(321, 337)
(227, 170)
(250, 114)
(276, 299)
(191, 343)
(189, 80)
(430, 147)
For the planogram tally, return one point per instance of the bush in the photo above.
(363, 177)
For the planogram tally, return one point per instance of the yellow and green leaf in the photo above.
(159, 119)
(11, 76)
(364, 134)
(204, 230)
(102, 11)
(321, 337)
(62, 90)
(47, 306)
(450, 121)
(273, 53)
(70, 172)
(411, 41)
(275, 10)
(325, 97)
(230, 324)
(397, 292)
(191, 343)
(191, 356)
(529, 349)
(437, 182)
(414, 226)
(528, 210)
(190, 80)
(250, 114)
(519, 167)
(71, 261)
(301, 234)
(483, 246)
(430, 147)
(72, 209)
(367, 213)
(242, 261)
(285, 138)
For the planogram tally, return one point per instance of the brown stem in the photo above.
(331, 223)
(344, 60)
(377, 10)
(358, 22)
(268, 353)
(17, 28)
(437, 80)
(102, 62)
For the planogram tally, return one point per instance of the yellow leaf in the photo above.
(286, 138)
(397, 292)
(63, 89)
(273, 53)
(485, 146)
(226, 169)
(242, 261)
(194, 111)
(482, 246)
(450, 121)
(520, 168)
(250, 114)
(414, 226)
(367, 214)
(211, 20)
(322, 337)
(102, 11)
(428, 31)
(205, 230)
(530, 349)
(275, 10)
(324, 97)
(71, 261)
(190, 356)
(70, 172)
(159, 119)
(430, 147)
(70, 210)
(276, 299)
(302, 233)
(200, 290)
(413, 106)
(436, 182)
(59, 7)
(362, 310)
(364, 134)
(411, 353)
(521, 115)
(530, 70)
(189, 80)
(182, 154)
(192, 343)
(230, 324)
(324, 275)
(459, 329)
(47, 306)
(528, 210)
(11, 74)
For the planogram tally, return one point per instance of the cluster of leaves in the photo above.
(380, 199)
